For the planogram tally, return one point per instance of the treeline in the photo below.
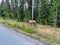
(45, 12)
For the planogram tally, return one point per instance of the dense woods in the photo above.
(46, 12)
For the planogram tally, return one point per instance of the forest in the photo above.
(45, 12)
(17, 13)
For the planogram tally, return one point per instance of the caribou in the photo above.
(31, 23)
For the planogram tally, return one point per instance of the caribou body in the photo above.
(31, 23)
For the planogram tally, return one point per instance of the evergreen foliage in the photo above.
(46, 12)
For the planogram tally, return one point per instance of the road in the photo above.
(10, 37)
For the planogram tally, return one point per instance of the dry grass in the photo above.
(49, 31)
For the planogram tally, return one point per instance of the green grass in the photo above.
(29, 30)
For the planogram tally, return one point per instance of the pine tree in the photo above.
(26, 11)
(43, 12)
(30, 8)
(58, 13)
(3, 9)
(36, 2)
(21, 10)
(16, 10)
(53, 12)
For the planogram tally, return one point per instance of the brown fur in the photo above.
(31, 23)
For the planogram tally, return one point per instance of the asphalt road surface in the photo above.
(10, 37)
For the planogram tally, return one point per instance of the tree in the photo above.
(43, 12)
(16, 10)
(21, 10)
(7, 9)
(8, 5)
(53, 12)
(30, 8)
(3, 9)
(58, 13)
(36, 3)
(26, 11)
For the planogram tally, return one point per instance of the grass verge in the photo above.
(45, 35)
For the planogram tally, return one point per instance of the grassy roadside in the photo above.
(18, 25)
(42, 35)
